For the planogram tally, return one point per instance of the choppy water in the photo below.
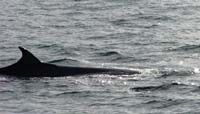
(160, 38)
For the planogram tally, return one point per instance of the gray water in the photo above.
(159, 38)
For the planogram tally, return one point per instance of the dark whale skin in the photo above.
(30, 66)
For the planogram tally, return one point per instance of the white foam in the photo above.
(196, 70)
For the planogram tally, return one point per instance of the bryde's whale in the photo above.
(30, 66)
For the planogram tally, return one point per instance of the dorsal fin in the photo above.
(27, 57)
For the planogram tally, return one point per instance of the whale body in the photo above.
(30, 66)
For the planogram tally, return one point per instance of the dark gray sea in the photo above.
(159, 38)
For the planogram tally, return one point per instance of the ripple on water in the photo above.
(188, 48)
(162, 87)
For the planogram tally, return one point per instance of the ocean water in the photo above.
(159, 38)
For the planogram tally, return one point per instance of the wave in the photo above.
(164, 103)
(186, 48)
(158, 87)
(79, 93)
(110, 53)
(6, 91)
(62, 60)
(176, 73)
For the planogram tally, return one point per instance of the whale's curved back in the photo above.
(30, 66)
(23, 65)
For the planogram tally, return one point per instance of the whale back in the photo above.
(30, 66)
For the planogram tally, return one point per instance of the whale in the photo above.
(30, 66)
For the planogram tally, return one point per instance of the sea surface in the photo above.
(159, 38)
